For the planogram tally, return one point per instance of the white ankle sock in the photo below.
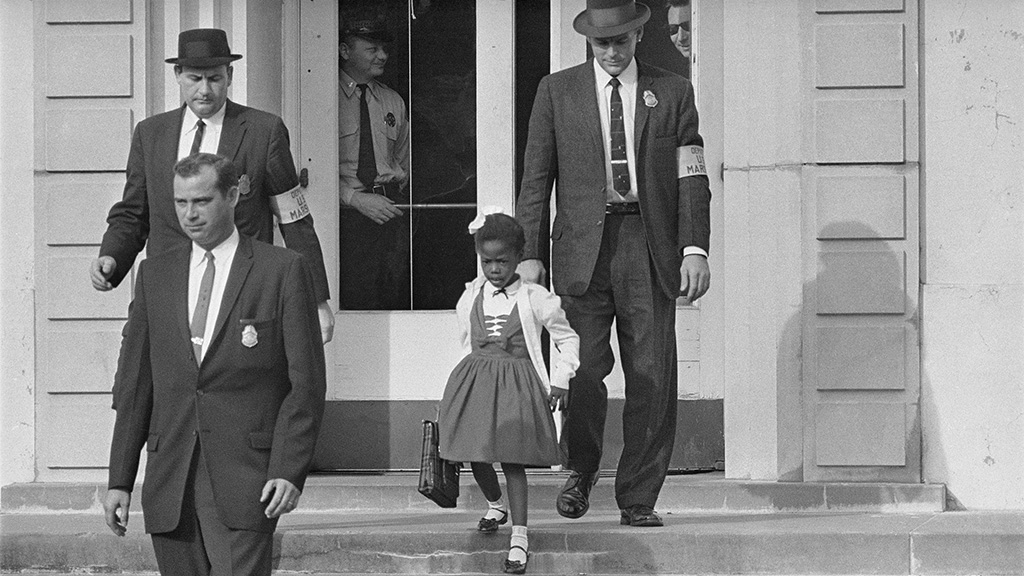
(518, 539)
(496, 510)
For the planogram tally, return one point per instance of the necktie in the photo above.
(501, 291)
(367, 170)
(198, 326)
(620, 167)
(198, 140)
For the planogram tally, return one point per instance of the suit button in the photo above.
(200, 393)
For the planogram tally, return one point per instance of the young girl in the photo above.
(498, 402)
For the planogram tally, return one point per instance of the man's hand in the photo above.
(531, 270)
(696, 277)
(558, 396)
(326, 321)
(376, 207)
(100, 272)
(115, 510)
(283, 497)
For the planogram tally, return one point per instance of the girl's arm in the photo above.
(549, 311)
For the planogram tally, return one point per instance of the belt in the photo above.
(622, 208)
(389, 189)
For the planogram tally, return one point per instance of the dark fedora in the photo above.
(607, 18)
(203, 48)
(368, 28)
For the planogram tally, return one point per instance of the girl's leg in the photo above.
(487, 479)
(515, 480)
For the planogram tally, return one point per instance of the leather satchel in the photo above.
(439, 478)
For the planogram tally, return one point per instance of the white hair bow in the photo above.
(481, 217)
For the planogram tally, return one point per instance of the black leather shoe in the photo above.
(574, 500)
(490, 525)
(514, 567)
(640, 515)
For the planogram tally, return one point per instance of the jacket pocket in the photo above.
(152, 443)
(261, 440)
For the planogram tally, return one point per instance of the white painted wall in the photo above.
(972, 296)
(17, 268)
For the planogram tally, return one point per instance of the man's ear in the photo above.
(343, 51)
(231, 70)
(233, 196)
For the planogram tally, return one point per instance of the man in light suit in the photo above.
(255, 141)
(227, 387)
(631, 232)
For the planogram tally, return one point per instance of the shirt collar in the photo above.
(349, 86)
(190, 119)
(509, 289)
(220, 251)
(628, 77)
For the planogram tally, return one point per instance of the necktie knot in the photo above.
(197, 141)
(208, 257)
(614, 82)
(362, 89)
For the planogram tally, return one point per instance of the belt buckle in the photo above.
(380, 189)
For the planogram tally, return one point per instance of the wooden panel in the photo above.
(860, 358)
(859, 55)
(862, 434)
(861, 207)
(93, 65)
(81, 361)
(859, 131)
(865, 282)
(78, 430)
(88, 11)
(88, 140)
(71, 295)
(827, 6)
(77, 213)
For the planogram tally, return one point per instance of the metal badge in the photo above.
(243, 185)
(249, 338)
(390, 120)
(650, 99)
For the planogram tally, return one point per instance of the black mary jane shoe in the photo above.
(574, 499)
(514, 566)
(490, 525)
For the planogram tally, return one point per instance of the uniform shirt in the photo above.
(390, 124)
(627, 90)
(211, 135)
(223, 255)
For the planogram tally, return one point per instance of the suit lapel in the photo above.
(233, 130)
(644, 83)
(177, 281)
(167, 143)
(236, 279)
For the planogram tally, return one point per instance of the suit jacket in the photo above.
(256, 410)
(565, 147)
(256, 141)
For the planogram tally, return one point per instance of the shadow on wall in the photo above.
(847, 365)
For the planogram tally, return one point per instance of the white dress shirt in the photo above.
(223, 255)
(627, 90)
(211, 137)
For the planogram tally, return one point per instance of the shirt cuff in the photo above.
(694, 250)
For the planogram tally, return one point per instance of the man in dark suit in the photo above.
(228, 386)
(255, 141)
(630, 235)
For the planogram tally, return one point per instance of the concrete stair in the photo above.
(379, 524)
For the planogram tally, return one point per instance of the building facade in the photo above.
(866, 317)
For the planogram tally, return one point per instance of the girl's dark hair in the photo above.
(504, 228)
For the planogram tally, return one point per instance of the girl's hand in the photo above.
(558, 396)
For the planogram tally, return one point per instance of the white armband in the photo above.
(690, 161)
(290, 206)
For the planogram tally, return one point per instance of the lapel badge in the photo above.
(243, 185)
(390, 120)
(650, 99)
(249, 338)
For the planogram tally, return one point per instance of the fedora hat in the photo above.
(203, 48)
(607, 18)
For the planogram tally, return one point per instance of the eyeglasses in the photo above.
(673, 29)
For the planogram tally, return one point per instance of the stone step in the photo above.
(696, 493)
(436, 541)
